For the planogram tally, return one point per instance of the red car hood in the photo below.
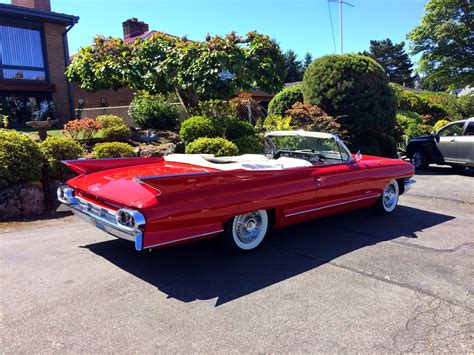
(118, 185)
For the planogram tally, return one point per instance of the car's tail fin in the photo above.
(173, 185)
(86, 166)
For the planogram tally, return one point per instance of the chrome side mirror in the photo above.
(358, 156)
(433, 133)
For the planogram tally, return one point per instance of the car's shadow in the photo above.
(444, 170)
(201, 271)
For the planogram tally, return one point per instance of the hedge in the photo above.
(20, 158)
(217, 146)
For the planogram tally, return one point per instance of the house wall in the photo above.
(53, 34)
(102, 98)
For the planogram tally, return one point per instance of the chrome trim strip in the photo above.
(333, 205)
(179, 240)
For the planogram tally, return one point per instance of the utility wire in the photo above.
(332, 28)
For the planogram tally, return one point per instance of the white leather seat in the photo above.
(246, 162)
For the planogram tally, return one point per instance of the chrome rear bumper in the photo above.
(104, 218)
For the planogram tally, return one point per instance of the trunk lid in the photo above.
(119, 185)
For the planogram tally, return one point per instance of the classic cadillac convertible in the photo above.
(156, 202)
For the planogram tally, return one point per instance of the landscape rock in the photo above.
(156, 150)
(22, 200)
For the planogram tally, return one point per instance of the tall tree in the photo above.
(294, 67)
(308, 59)
(194, 70)
(446, 44)
(393, 58)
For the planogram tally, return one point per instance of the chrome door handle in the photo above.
(319, 180)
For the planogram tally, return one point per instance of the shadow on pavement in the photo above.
(201, 271)
(444, 170)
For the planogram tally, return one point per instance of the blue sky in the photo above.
(301, 25)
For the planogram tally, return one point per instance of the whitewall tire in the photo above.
(388, 201)
(246, 231)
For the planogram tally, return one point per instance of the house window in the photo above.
(21, 53)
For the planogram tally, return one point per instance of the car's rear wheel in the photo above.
(418, 159)
(388, 201)
(246, 231)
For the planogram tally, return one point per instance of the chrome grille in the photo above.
(96, 210)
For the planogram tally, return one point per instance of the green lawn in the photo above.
(51, 132)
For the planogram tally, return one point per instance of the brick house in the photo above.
(34, 54)
(133, 29)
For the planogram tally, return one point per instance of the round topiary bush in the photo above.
(217, 146)
(113, 128)
(110, 120)
(155, 112)
(236, 128)
(355, 90)
(113, 150)
(285, 99)
(56, 149)
(249, 145)
(20, 158)
(199, 126)
(115, 133)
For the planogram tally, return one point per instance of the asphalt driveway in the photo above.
(352, 282)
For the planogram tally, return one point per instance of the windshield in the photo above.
(313, 149)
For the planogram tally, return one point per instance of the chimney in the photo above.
(44, 5)
(132, 28)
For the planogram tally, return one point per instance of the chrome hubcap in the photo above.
(389, 196)
(248, 227)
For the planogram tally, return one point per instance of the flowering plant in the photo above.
(83, 128)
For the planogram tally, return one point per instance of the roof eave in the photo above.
(38, 15)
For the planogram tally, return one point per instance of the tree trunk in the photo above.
(181, 101)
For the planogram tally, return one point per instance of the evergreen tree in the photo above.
(393, 58)
(308, 59)
(294, 67)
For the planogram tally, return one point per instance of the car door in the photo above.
(338, 185)
(465, 145)
(446, 141)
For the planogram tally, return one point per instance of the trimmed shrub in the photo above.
(20, 158)
(410, 101)
(236, 128)
(285, 99)
(412, 124)
(113, 150)
(115, 133)
(217, 146)
(387, 146)
(354, 89)
(249, 145)
(56, 149)
(154, 112)
(110, 120)
(113, 128)
(199, 126)
(439, 124)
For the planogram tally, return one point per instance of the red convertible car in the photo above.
(156, 202)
